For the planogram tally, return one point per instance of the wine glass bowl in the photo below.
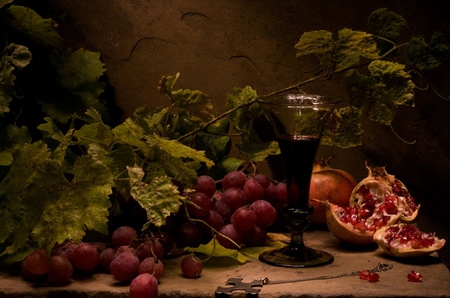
(298, 121)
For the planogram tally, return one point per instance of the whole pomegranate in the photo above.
(328, 184)
(378, 200)
(407, 241)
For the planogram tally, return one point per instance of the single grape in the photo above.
(201, 206)
(263, 180)
(150, 249)
(27, 275)
(281, 193)
(234, 198)
(206, 185)
(124, 248)
(253, 190)
(61, 270)
(159, 269)
(189, 235)
(243, 219)
(212, 220)
(147, 265)
(106, 258)
(144, 286)
(38, 262)
(266, 214)
(85, 257)
(234, 179)
(269, 194)
(124, 266)
(191, 266)
(123, 236)
(223, 209)
(66, 250)
(230, 232)
(255, 237)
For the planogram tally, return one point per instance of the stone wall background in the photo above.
(219, 45)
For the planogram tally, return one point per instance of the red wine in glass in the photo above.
(298, 154)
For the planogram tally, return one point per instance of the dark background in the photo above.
(218, 45)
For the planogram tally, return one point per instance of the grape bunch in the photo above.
(237, 214)
(127, 258)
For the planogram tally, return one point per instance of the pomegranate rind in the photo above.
(405, 250)
(344, 231)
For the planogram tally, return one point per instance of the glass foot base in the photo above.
(297, 258)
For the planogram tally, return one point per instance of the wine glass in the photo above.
(298, 121)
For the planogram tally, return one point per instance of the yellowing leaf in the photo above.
(214, 249)
(159, 197)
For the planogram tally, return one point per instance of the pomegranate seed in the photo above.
(416, 243)
(414, 276)
(370, 276)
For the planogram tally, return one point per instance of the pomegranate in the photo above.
(407, 240)
(328, 184)
(378, 200)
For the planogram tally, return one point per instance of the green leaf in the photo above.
(19, 55)
(386, 24)
(6, 84)
(78, 77)
(29, 23)
(351, 45)
(95, 132)
(176, 149)
(5, 2)
(50, 130)
(166, 84)
(321, 44)
(160, 197)
(426, 57)
(73, 206)
(242, 99)
(11, 139)
(345, 129)
(379, 94)
(340, 54)
(214, 249)
(254, 252)
(196, 103)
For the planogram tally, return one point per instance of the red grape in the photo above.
(230, 232)
(253, 190)
(61, 270)
(255, 237)
(281, 193)
(202, 204)
(147, 265)
(206, 185)
(263, 180)
(266, 214)
(123, 236)
(27, 275)
(150, 249)
(85, 257)
(234, 179)
(124, 266)
(234, 198)
(191, 266)
(144, 286)
(243, 219)
(38, 262)
(106, 258)
(189, 235)
(124, 248)
(223, 209)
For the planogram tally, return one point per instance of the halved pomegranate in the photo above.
(407, 240)
(377, 201)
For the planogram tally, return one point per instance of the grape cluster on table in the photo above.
(236, 214)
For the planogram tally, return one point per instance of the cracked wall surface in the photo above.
(219, 45)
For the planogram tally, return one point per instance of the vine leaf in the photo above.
(341, 54)
(427, 56)
(214, 249)
(19, 55)
(344, 129)
(387, 86)
(33, 26)
(160, 197)
(388, 25)
(7, 79)
(40, 206)
(11, 139)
